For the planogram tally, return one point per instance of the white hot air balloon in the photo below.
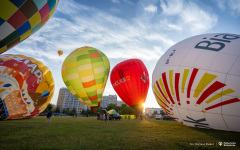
(197, 81)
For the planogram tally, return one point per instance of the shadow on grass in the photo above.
(223, 136)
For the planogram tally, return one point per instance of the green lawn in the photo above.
(89, 133)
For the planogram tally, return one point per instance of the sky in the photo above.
(125, 29)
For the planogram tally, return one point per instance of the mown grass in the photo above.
(89, 133)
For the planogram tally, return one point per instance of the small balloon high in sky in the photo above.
(60, 52)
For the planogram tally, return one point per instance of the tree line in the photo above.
(124, 109)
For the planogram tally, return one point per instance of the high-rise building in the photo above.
(67, 100)
(108, 100)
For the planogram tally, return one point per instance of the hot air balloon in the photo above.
(26, 87)
(131, 81)
(21, 18)
(113, 111)
(60, 52)
(85, 73)
(197, 81)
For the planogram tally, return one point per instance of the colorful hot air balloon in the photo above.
(60, 52)
(21, 18)
(197, 81)
(85, 73)
(26, 87)
(131, 81)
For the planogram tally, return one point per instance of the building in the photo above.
(119, 103)
(108, 100)
(67, 100)
(150, 111)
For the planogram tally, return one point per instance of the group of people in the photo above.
(105, 116)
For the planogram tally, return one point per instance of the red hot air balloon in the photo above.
(131, 81)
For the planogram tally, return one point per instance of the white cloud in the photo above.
(115, 10)
(174, 27)
(172, 7)
(229, 5)
(115, 1)
(71, 6)
(234, 6)
(159, 37)
(221, 4)
(151, 8)
(197, 19)
(187, 16)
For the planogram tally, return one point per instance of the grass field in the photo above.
(89, 133)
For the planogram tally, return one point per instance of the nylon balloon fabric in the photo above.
(26, 87)
(85, 73)
(21, 18)
(197, 81)
(130, 80)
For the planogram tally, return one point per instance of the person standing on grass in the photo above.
(105, 117)
(49, 115)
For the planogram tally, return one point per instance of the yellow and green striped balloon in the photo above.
(85, 73)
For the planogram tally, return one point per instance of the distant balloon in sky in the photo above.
(60, 52)
(85, 73)
(26, 87)
(197, 81)
(21, 18)
(131, 81)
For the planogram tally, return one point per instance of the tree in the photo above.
(154, 113)
(53, 109)
(98, 109)
(73, 111)
(122, 109)
(64, 111)
(48, 108)
(88, 112)
(57, 110)
(112, 106)
(162, 112)
(83, 112)
(138, 109)
(129, 111)
(91, 113)
(68, 111)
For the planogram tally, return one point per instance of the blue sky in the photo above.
(125, 29)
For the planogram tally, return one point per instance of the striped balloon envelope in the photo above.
(197, 81)
(21, 18)
(26, 87)
(85, 73)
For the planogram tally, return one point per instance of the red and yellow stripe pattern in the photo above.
(206, 91)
